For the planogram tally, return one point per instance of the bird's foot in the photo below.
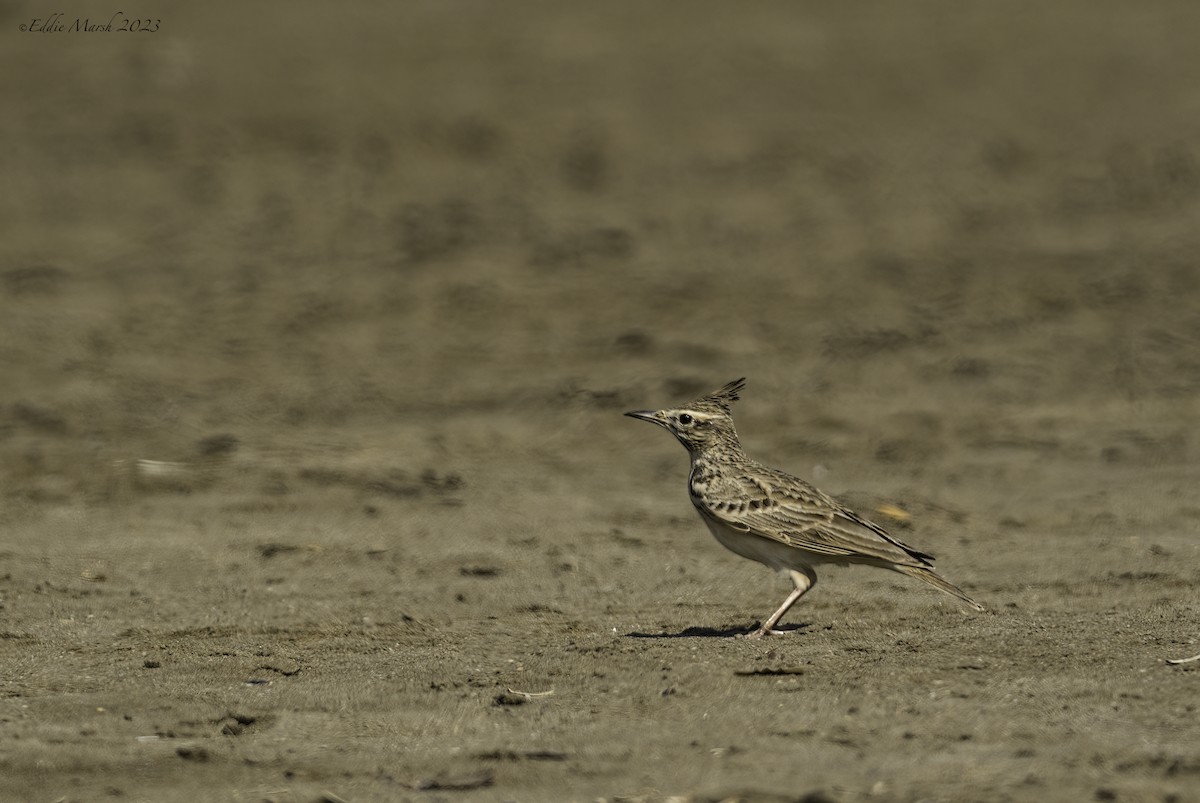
(762, 631)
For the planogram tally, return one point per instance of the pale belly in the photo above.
(766, 551)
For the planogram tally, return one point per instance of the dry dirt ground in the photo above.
(316, 328)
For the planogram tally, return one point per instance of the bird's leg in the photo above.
(804, 579)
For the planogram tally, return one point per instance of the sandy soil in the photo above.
(316, 329)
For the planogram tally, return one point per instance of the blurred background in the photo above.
(278, 219)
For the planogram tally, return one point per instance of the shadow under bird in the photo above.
(774, 518)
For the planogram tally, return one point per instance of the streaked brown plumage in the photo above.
(774, 518)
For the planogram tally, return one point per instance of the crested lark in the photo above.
(772, 517)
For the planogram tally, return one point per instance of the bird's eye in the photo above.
(685, 419)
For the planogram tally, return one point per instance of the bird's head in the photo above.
(701, 424)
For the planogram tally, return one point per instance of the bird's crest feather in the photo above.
(721, 400)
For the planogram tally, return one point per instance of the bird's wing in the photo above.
(797, 514)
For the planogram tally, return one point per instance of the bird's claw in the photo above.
(760, 632)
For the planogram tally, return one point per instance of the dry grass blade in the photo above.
(531, 695)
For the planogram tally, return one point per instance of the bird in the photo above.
(769, 516)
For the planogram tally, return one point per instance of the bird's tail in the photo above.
(934, 579)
